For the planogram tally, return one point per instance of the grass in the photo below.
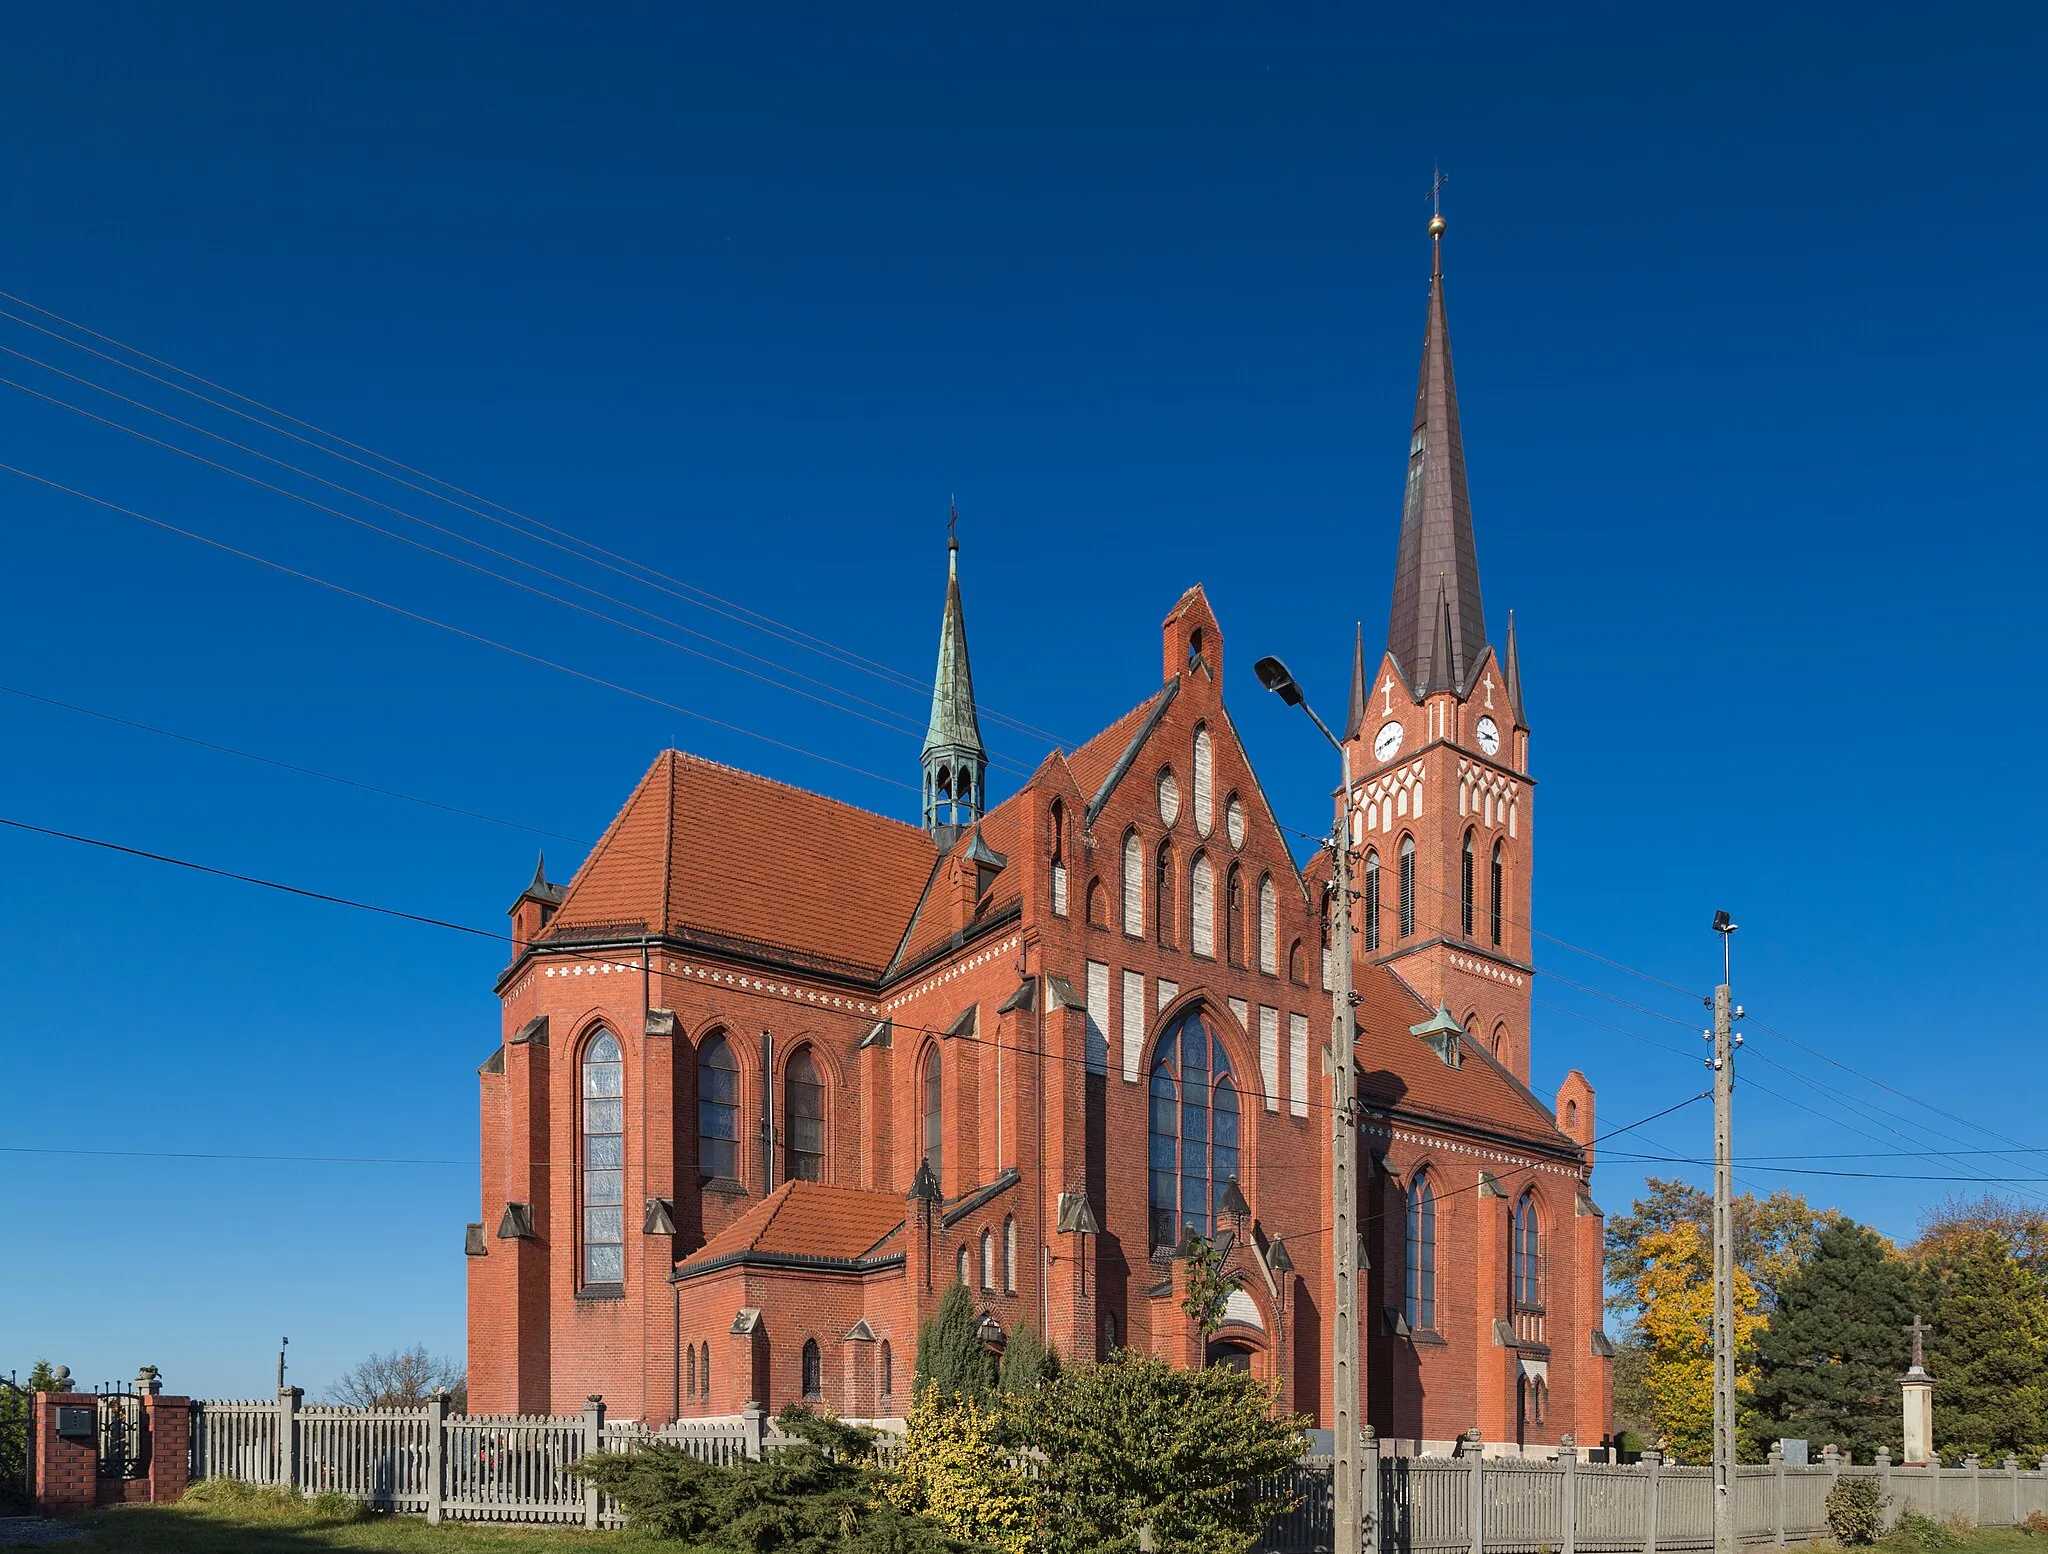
(230, 1518)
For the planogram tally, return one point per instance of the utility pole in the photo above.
(1725, 1042)
(1350, 1507)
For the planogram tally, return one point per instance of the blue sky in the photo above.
(1748, 322)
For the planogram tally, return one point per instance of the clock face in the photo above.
(1387, 742)
(1489, 736)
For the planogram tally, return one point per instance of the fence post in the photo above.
(754, 1422)
(1777, 1461)
(1369, 1470)
(1888, 1512)
(437, 1451)
(2012, 1479)
(1653, 1459)
(288, 1435)
(1976, 1489)
(1477, 1444)
(593, 1441)
(1568, 1455)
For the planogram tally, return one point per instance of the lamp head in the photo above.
(1723, 923)
(1274, 676)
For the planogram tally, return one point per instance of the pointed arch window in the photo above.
(1269, 927)
(1499, 890)
(692, 1369)
(1407, 903)
(1163, 890)
(988, 1260)
(1134, 886)
(718, 1109)
(1193, 1134)
(1528, 1253)
(933, 1096)
(1233, 915)
(1465, 902)
(888, 1369)
(1010, 1253)
(704, 1373)
(814, 1370)
(1202, 906)
(960, 1264)
(1372, 899)
(1421, 1266)
(1205, 781)
(1098, 905)
(803, 1110)
(604, 1161)
(1056, 823)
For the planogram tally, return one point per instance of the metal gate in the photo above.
(123, 1433)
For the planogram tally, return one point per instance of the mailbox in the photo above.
(75, 1423)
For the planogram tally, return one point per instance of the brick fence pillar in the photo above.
(170, 1447)
(67, 1467)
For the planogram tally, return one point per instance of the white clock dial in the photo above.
(1489, 736)
(1387, 742)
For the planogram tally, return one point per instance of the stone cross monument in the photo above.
(1916, 1389)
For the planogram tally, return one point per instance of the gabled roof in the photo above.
(738, 859)
(1400, 1072)
(932, 925)
(1099, 765)
(803, 1223)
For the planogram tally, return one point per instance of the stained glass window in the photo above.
(604, 1161)
(1194, 1132)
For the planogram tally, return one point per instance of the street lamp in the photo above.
(1350, 1505)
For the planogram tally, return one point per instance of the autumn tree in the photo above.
(1674, 1291)
(1987, 1299)
(1829, 1359)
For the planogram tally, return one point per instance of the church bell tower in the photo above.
(955, 761)
(1441, 811)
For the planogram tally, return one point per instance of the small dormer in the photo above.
(536, 905)
(1444, 1036)
(986, 863)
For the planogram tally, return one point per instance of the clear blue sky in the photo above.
(1749, 324)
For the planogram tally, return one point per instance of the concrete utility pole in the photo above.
(1725, 1040)
(1353, 1501)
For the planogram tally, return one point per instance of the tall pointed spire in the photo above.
(955, 760)
(1356, 720)
(1511, 670)
(1437, 548)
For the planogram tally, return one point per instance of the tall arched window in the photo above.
(1269, 927)
(1134, 886)
(1010, 1251)
(691, 1368)
(1407, 886)
(704, 1373)
(814, 1370)
(604, 1161)
(1372, 900)
(1205, 781)
(1500, 881)
(1528, 1253)
(1465, 888)
(1297, 966)
(888, 1369)
(803, 1111)
(1194, 1130)
(1056, 823)
(1202, 906)
(960, 1264)
(1098, 905)
(988, 1259)
(1163, 912)
(718, 1109)
(934, 1098)
(1421, 1252)
(1233, 915)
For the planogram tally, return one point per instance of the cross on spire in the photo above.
(1436, 189)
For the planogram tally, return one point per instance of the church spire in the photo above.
(1356, 720)
(955, 761)
(1512, 669)
(1437, 552)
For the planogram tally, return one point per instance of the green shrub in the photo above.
(1916, 1531)
(819, 1495)
(1855, 1508)
(1027, 1361)
(955, 1469)
(950, 1354)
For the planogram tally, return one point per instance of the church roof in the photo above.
(1100, 764)
(741, 861)
(932, 927)
(1437, 625)
(803, 1223)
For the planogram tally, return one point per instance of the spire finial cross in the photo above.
(953, 522)
(1436, 189)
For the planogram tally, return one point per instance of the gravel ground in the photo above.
(16, 1530)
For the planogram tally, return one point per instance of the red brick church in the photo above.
(742, 1132)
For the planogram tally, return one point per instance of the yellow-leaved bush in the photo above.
(954, 1467)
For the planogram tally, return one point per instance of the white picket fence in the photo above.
(507, 1468)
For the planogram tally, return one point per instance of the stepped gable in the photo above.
(706, 850)
(803, 1221)
(1399, 1072)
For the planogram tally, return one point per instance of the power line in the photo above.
(181, 1154)
(753, 619)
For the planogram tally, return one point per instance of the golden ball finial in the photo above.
(1436, 226)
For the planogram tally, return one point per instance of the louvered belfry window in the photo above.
(1499, 890)
(604, 1161)
(1407, 886)
(1465, 890)
(1371, 902)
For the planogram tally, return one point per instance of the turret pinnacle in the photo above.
(1512, 670)
(1356, 720)
(1437, 552)
(955, 761)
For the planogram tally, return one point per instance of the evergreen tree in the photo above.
(1988, 1351)
(1027, 1362)
(950, 1354)
(1828, 1363)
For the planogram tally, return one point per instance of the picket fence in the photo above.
(504, 1468)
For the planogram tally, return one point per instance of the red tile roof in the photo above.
(1094, 761)
(737, 857)
(934, 924)
(803, 1220)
